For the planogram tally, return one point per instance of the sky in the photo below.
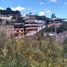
(38, 7)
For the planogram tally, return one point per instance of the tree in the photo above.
(53, 15)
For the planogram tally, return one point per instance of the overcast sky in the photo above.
(40, 7)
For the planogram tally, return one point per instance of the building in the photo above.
(31, 28)
(30, 18)
(56, 20)
(19, 27)
(29, 25)
(4, 14)
(40, 20)
(22, 28)
(7, 29)
(7, 15)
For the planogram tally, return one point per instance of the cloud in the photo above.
(15, 8)
(52, 1)
(44, 11)
(41, 13)
(1, 8)
(18, 8)
(41, 3)
(48, 11)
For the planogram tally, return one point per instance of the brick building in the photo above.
(25, 25)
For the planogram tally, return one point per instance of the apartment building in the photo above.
(29, 25)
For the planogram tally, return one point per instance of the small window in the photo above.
(21, 30)
(16, 34)
(17, 30)
(21, 33)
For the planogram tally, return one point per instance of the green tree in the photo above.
(53, 15)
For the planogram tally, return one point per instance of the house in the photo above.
(30, 18)
(7, 15)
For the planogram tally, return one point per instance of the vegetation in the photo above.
(31, 52)
(60, 29)
(53, 15)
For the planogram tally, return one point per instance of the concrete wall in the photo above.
(7, 29)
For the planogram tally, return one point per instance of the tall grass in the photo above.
(30, 52)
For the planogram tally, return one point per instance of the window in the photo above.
(21, 30)
(16, 34)
(21, 33)
(17, 30)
